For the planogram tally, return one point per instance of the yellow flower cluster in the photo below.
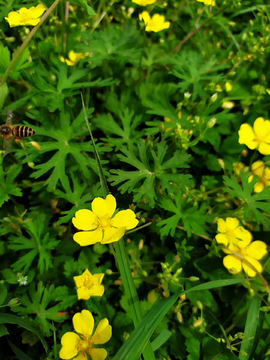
(74, 58)
(156, 23)
(208, 2)
(242, 252)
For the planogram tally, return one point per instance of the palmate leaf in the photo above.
(37, 303)
(76, 196)
(253, 204)
(39, 243)
(65, 135)
(7, 186)
(192, 218)
(142, 182)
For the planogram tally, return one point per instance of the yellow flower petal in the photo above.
(80, 280)
(102, 207)
(112, 235)
(258, 168)
(144, 16)
(246, 136)
(248, 269)
(97, 354)
(222, 239)
(222, 225)
(243, 236)
(83, 323)
(37, 11)
(69, 343)
(231, 224)
(258, 187)
(13, 18)
(257, 249)
(125, 218)
(103, 332)
(144, 2)
(261, 127)
(232, 262)
(85, 238)
(85, 220)
(264, 149)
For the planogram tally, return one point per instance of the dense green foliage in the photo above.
(167, 142)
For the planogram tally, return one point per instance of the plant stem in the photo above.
(26, 41)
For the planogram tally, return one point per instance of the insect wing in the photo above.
(10, 117)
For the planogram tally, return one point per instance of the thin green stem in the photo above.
(26, 41)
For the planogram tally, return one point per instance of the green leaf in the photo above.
(143, 181)
(37, 303)
(85, 6)
(250, 327)
(3, 293)
(252, 204)
(161, 339)
(7, 186)
(3, 92)
(3, 330)
(132, 348)
(13, 319)
(19, 353)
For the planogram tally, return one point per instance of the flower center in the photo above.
(84, 346)
(25, 17)
(104, 222)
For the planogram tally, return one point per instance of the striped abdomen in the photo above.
(22, 131)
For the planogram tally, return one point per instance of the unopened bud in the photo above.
(194, 278)
(198, 323)
(228, 86)
(179, 317)
(141, 244)
(211, 123)
(108, 272)
(35, 145)
(221, 163)
(213, 98)
(199, 304)
(14, 302)
(31, 164)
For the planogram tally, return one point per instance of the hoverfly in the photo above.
(11, 132)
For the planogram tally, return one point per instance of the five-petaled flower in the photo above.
(231, 232)
(208, 2)
(144, 2)
(99, 225)
(89, 285)
(258, 168)
(156, 23)
(25, 16)
(258, 137)
(74, 58)
(83, 342)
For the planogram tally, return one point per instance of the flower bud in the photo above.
(35, 145)
(211, 123)
(14, 302)
(198, 323)
(194, 278)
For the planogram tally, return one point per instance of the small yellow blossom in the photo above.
(99, 225)
(258, 137)
(208, 2)
(238, 167)
(89, 285)
(250, 251)
(228, 104)
(258, 168)
(231, 232)
(25, 16)
(82, 345)
(74, 58)
(144, 2)
(156, 23)
(228, 86)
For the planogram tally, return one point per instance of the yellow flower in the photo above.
(144, 2)
(82, 344)
(156, 23)
(208, 2)
(251, 251)
(89, 285)
(258, 137)
(258, 168)
(238, 167)
(231, 233)
(74, 58)
(25, 16)
(99, 225)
